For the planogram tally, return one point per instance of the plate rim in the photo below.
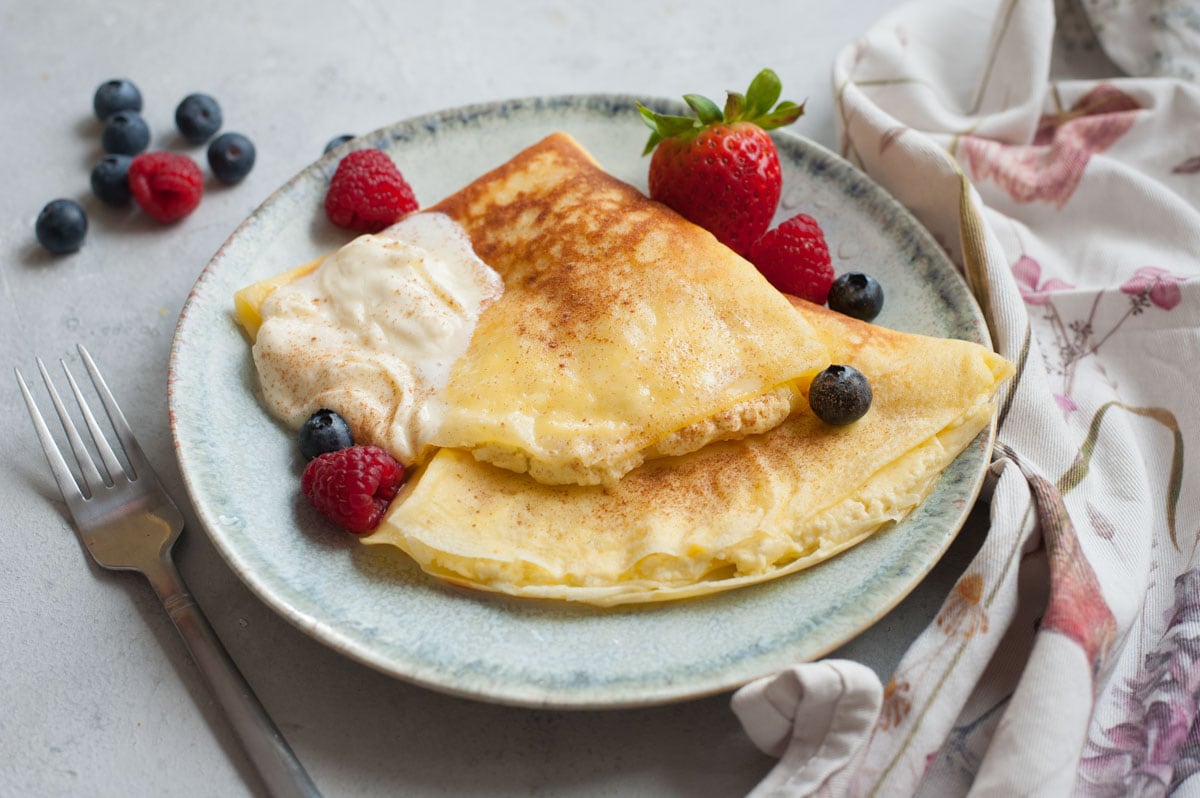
(534, 696)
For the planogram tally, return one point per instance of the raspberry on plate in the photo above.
(166, 185)
(367, 192)
(795, 258)
(353, 487)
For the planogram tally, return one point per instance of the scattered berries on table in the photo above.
(198, 117)
(324, 431)
(856, 294)
(231, 157)
(840, 395)
(116, 95)
(353, 487)
(166, 185)
(110, 179)
(795, 258)
(337, 141)
(720, 169)
(61, 226)
(367, 192)
(125, 133)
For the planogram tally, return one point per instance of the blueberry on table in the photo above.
(840, 395)
(116, 95)
(61, 226)
(198, 117)
(125, 133)
(110, 179)
(856, 294)
(231, 157)
(324, 432)
(337, 141)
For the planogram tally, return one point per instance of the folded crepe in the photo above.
(728, 515)
(625, 332)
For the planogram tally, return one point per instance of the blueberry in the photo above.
(198, 117)
(116, 95)
(856, 294)
(61, 226)
(125, 133)
(110, 179)
(840, 395)
(338, 141)
(231, 157)
(325, 431)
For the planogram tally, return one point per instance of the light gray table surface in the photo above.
(97, 694)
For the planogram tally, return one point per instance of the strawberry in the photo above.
(720, 169)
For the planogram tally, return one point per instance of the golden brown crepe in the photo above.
(730, 514)
(624, 331)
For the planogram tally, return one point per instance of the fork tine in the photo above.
(137, 459)
(58, 466)
(87, 467)
(111, 463)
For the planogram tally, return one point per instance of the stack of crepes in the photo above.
(629, 421)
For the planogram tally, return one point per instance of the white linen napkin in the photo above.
(1066, 660)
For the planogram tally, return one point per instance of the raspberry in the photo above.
(166, 185)
(353, 487)
(795, 259)
(367, 192)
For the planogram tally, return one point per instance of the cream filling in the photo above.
(373, 332)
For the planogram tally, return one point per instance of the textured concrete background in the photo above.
(97, 694)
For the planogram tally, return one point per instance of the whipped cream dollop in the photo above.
(372, 333)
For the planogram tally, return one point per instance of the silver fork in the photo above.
(126, 521)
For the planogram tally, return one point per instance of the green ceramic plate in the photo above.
(242, 469)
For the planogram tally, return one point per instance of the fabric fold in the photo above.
(1064, 658)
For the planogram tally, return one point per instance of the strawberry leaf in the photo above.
(706, 110)
(763, 93)
(648, 116)
(757, 106)
(785, 113)
(735, 106)
(663, 126)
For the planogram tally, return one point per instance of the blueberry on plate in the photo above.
(231, 157)
(840, 395)
(325, 431)
(125, 133)
(116, 95)
(110, 179)
(198, 117)
(856, 294)
(337, 141)
(61, 226)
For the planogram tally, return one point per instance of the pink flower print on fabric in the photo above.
(1049, 169)
(1156, 747)
(1159, 285)
(1029, 274)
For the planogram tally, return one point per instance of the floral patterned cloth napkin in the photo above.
(1066, 660)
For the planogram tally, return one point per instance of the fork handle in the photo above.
(269, 752)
